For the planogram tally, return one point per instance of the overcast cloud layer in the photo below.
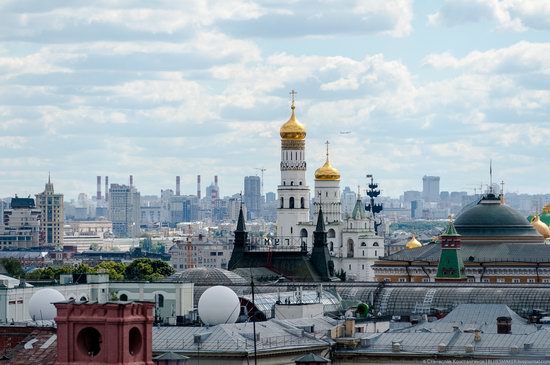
(165, 88)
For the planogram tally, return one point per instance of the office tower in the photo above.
(252, 198)
(199, 187)
(52, 217)
(430, 188)
(98, 190)
(348, 199)
(106, 188)
(124, 210)
(178, 191)
(131, 180)
(21, 225)
(270, 197)
(410, 196)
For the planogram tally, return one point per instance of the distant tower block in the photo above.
(131, 180)
(106, 188)
(198, 186)
(98, 194)
(216, 180)
(178, 186)
(111, 333)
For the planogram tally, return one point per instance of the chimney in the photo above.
(504, 325)
(98, 194)
(106, 188)
(349, 327)
(177, 186)
(198, 186)
(131, 180)
(477, 335)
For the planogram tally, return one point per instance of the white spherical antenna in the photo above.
(40, 305)
(218, 305)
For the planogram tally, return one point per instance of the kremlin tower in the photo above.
(293, 191)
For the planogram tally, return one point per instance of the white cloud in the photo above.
(515, 15)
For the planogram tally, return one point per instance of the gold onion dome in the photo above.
(540, 226)
(546, 209)
(413, 243)
(293, 129)
(327, 171)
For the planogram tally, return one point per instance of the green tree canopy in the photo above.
(148, 270)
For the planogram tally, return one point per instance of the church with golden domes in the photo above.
(352, 242)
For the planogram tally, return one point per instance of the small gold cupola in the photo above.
(413, 243)
(327, 171)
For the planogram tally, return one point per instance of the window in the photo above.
(387, 280)
(124, 297)
(402, 280)
(375, 244)
(516, 280)
(291, 203)
(501, 280)
(363, 267)
(530, 280)
(160, 300)
(375, 253)
(350, 266)
(485, 280)
(546, 281)
(282, 202)
(363, 244)
(425, 280)
(302, 205)
(363, 251)
(292, 183)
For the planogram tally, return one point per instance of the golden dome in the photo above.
(546, 209)
(413, 243)
(327, 172)
(293, 129)
(541, 227)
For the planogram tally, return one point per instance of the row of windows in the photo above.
(291, 204)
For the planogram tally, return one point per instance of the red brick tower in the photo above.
(111, 333)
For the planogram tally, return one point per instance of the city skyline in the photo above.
(423, 88)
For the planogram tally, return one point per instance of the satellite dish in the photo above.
(219, 305)
(41, 304)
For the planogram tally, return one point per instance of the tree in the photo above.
(13, 267)
(341, 275)
(145, 269)
(114, 269)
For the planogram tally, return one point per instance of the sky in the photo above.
(164, 88)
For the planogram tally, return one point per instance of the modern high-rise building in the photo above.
(430, 188)
(349, 197)
(252, 196)
(52, 216)
(124, 210)
(21, 225)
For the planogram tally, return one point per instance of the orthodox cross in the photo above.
(327, 143)
(292, 94)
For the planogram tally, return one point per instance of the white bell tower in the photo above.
(293, 191)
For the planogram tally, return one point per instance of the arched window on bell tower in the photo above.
(291, 203)
(282, 202)
(302, 203)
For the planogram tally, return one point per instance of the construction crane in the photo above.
(262, 186)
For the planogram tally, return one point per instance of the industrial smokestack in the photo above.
(177, 186)
(216, 180)
(131, 180)
(198, 186)
(106, 188)
(98, 194)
